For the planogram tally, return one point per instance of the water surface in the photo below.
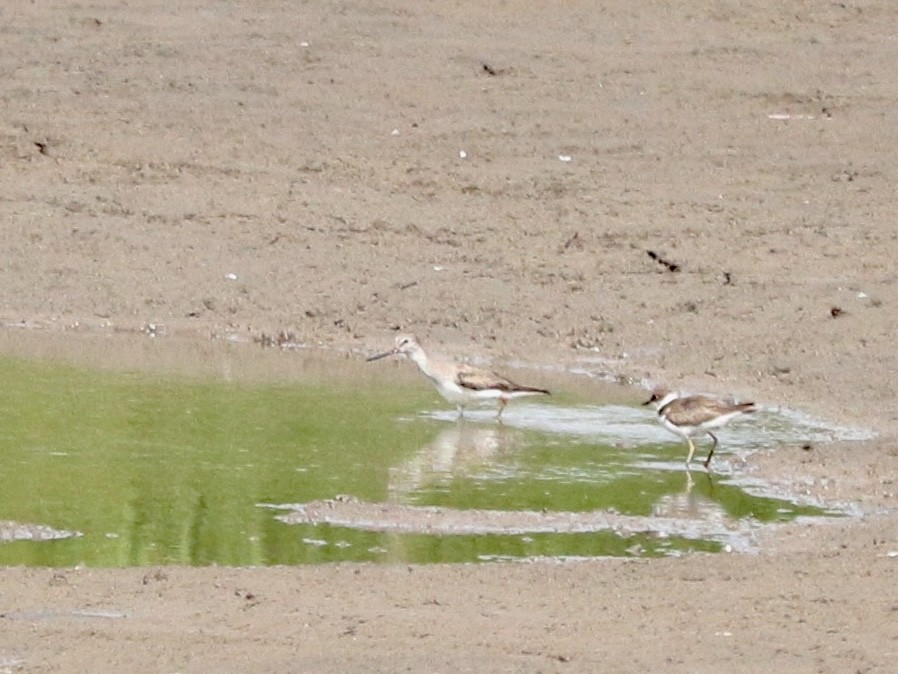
(151, 468)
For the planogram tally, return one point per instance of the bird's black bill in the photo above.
(651, 400)
(379, 356)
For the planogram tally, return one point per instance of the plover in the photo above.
(460, 383)
(695, 414)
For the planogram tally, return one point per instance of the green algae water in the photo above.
(146, 469)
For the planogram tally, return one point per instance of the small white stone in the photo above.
(462, 154)
(231, 276)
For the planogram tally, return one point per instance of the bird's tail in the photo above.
(533, 389)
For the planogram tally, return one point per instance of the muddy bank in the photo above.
(492, 178)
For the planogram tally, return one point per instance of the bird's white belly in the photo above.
(682, 431)
(457, 395)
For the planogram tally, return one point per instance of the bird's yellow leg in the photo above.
(502, 403)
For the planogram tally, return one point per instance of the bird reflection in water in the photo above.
(691, 504)
(461, 450)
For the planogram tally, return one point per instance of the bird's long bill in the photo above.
(379, 356)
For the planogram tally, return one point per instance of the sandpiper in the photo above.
(689, 415)
(460, 383)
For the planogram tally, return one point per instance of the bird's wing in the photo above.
(695, 410)
(475, 379)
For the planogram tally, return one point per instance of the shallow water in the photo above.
(190, 469)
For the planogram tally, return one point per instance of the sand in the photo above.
(492, 177)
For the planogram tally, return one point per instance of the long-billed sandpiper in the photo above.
(690, 415)
(460, 383)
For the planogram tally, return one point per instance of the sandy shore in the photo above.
(493, 178)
